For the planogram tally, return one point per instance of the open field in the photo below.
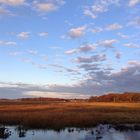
(68, 114)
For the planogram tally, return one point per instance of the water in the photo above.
(102, 132)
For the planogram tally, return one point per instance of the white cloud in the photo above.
(133, 2)
(135, 22)
(87, 47)
(97, 30)
(114, 26)
(4, 11)
(88, 12)
(48, 6)
(83, 48)
(33, 52)
(131, 45)
(72, 51)
(12, 2)
(24, 35)
(123, 36)
(43, 34)
(99, 6)
(107, 43)
(55, 95)
(7, 43)
(77, 32)
(15, 53)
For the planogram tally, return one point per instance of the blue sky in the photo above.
(70, 49)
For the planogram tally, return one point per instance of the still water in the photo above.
(102, 132)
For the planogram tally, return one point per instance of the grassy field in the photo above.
(68, 114)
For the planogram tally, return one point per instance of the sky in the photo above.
(69, 48)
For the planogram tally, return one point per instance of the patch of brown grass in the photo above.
(59, 115)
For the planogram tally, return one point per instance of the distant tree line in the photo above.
(116, 97)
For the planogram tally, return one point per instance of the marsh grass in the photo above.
(69, 114)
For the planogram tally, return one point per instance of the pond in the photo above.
(101, 132)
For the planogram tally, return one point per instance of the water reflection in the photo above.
(21, 131)
(102, 132)
(4, 133)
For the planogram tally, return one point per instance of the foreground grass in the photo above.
(60, 115)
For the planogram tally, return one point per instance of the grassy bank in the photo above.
(69, 114)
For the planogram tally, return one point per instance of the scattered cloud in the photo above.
(9, 43)
(133, 2)
(131, 45)
(43, 34)
(77, 32)
(114, 26)
(135, 22)
(123, 36)
(15, 53)
(107, 43)
(84, 48)
(89, 67)
(33, 52)
(72, 51)
(4, 11)
(97, 83)
(48, 6)
(97, 30)
(87, 47)
(12, 2)
(24, 35)
(69, 70)
(99, 7)
(94, 58)
(118, 55)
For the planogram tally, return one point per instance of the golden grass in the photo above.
(69, 114)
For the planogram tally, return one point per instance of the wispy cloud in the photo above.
(133, 2)
(99, 6)
(43, 34)
(94, 58)
(132, 45)
(114, 26)
(9, 43)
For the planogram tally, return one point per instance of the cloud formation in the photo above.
(77, 32)
(107, 43)
(97, 83)
(94, 58)
(9, 43)
(24, 35)
(133, 2)
(114, 26)
(12, 2)
(43, 34)
(48, 6)
(84, 48)
(99, 7)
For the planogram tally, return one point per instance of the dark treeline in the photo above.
(116, 97)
